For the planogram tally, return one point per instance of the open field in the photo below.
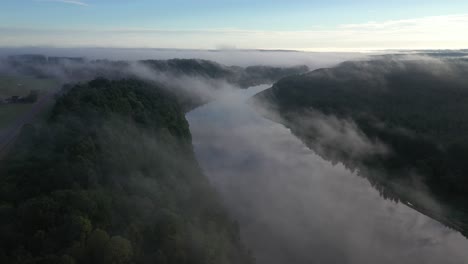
(20, 86)
(10, 112)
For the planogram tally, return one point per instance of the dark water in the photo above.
(295, 207)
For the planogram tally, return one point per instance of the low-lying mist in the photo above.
(295, 207)
(190, 76)
(241, 58)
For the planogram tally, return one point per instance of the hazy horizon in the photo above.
(271, 25)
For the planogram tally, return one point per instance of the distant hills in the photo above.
(80, 69)
(244, 77)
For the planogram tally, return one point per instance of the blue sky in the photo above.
(230, 23)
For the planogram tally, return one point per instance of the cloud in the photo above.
(436, 32)
(420, 24)
(72, 2)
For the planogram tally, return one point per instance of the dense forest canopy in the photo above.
(112, 178)
(415, 108)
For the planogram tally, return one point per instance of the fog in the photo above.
(198, 88)
(332, 132)
(117, 63)
(227, 57)
(295, 207)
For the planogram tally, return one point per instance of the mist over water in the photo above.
(294, 207)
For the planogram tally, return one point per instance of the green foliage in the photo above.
(112, 178)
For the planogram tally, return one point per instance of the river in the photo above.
(293, 207)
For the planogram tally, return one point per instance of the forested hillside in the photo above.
(244, 77)
(417, 109)
(79, 69)
(112, 178)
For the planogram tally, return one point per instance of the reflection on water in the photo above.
(295, 207)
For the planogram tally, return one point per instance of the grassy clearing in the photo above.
(20, 86)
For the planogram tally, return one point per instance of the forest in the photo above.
(416, 108)
(79, 69)
(111, 177)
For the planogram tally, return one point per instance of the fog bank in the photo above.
(228, 57)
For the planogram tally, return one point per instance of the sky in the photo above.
(332, 25)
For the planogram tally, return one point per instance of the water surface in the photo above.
(294, 207)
